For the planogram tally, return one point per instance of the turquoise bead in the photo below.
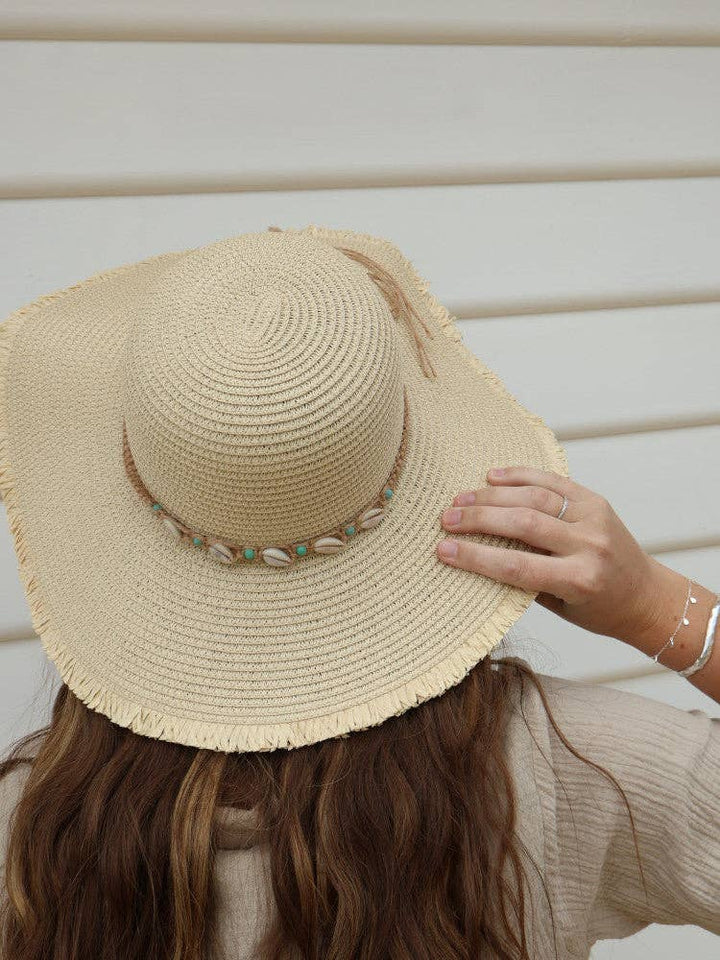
(349, 531)
(197, 541)
(301, 551)
(388, 493)
(249, 554)
(157, 506)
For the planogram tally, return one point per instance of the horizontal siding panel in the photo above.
(659, 942)
(152, 117)
(598, 372)
(645, 478)
(28, 682)
(663, 485)
(486, 250)
(459, 20)
(15, 623)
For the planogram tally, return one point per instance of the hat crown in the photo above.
(263, 398)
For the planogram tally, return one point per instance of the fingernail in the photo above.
(496, 472)
(448, 549)
(465, 499)
(451, 517)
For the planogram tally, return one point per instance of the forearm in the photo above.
(662, 616)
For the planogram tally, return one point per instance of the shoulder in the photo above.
(600, 715)
(667, 762)
(648, 745)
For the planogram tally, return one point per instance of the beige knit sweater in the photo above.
(666, 759)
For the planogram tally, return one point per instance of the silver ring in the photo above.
(563, 508)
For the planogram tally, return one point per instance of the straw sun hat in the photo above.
(224, 470)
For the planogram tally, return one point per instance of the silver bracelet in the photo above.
(709, 642)
(683, 620)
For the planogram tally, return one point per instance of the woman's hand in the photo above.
(591, 571)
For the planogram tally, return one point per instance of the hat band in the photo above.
(284, 554)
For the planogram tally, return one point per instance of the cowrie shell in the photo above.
(371, 518)
(221, 552)
(172, 527)
(328, 545)
(276, 557)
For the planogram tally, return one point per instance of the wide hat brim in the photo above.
(165, 640)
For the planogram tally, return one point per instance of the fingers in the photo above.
(536, 498)
(529, 571)
(518, 523)
(565, 486)
(523, 505)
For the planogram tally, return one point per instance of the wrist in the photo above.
(660, 611)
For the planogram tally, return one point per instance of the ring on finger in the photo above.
(563, 508)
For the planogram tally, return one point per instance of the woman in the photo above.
(280, 732)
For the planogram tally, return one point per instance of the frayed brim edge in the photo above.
(8, 493)
(231, 737)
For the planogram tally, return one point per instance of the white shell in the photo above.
(371, 518)
(221, 552)
(276, 557)
(328, 545)
(172, 527)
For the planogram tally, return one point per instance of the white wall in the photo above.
(555, 177)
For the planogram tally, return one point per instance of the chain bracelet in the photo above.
(704, 655)
(683, 620)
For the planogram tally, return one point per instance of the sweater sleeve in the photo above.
(667, 760)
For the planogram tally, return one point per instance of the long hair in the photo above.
(390, 842)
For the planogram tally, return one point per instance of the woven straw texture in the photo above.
(261, 379)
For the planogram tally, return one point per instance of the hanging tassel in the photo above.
(399, 303)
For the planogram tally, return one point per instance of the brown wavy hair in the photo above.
(389, 842)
